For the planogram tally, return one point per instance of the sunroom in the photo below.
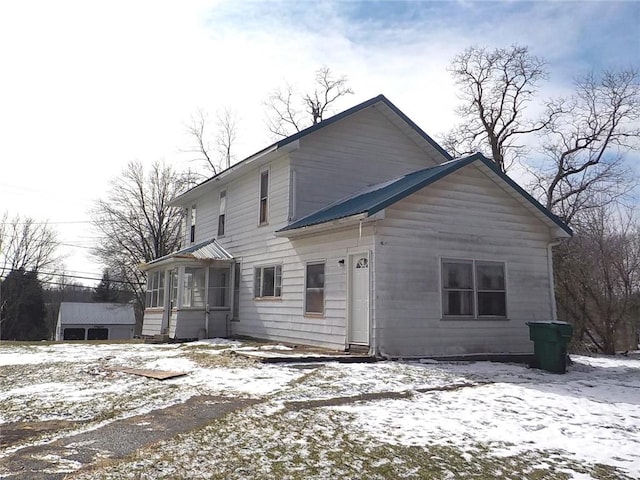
(189, 293)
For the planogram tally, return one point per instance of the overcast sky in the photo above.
(87, 86)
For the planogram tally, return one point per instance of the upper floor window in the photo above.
(222, 212)
(268, 281)
(192, 224)
(264, 197)
(473, 289)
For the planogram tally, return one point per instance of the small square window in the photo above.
(268, 282)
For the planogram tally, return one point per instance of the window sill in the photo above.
(474, 319)
(267, 299)
(154, 309)
(313, 315)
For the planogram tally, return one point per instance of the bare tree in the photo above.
(289, 112)
(227, 132)
(26, 244)
(214, 150)
(598, 279)
(136, 223)
(586, 143)
(495, 87)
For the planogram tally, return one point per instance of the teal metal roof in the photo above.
(380, 196)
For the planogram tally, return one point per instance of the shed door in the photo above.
(359, 299)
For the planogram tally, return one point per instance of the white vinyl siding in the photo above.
(463, 216)
(347, 157)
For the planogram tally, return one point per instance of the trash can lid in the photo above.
(547, 322)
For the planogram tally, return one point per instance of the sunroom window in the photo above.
(155, 290)
(219, 287)
(193, 287)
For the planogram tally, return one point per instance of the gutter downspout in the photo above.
(373, 348)
(552, 286)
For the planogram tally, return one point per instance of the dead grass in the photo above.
(225, 358)
(318, 444)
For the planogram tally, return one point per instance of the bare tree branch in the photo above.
(598, 277)
(214, 150)
(496, 87)
(286, 108)
(26, 244)
(136, 223)
(586, 143)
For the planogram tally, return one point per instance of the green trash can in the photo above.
(550, 341)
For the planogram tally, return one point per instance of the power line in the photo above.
(70, 222)
(84, 287)
(79, 277)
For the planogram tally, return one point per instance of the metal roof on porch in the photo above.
(209, 250)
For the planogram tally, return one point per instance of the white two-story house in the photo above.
(360, 231)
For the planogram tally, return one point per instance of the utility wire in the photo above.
(79, 277)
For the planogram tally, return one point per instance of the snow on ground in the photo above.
(71, 382)
(592, 412)
(407, 413)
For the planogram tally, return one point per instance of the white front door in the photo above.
(359, 299)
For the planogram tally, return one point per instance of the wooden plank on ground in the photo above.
(157, 374)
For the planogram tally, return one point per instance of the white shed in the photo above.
(95, 321)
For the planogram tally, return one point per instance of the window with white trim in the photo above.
(314, 289)
(473, 289)
(155, 290)
(193, 287)
(192, 224)
(222, 212)
(219, 287)
(268, 281)
(173, 278)
(264, 197)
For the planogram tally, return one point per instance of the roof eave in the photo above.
(323, 227)
(264, 155)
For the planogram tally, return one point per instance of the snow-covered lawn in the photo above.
(331, 420)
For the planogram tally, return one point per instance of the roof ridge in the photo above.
(380, 98)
